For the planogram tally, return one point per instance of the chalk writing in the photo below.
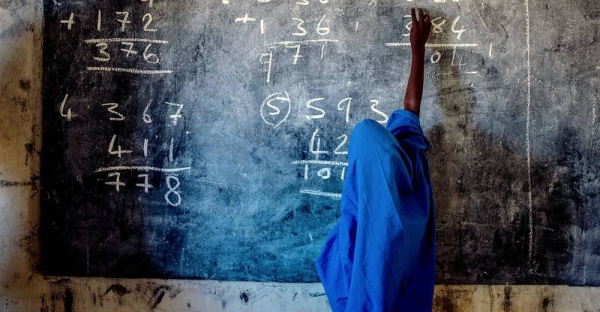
(267, 59)
(172, 192)
(69, 21)
(119, 152)
(146, 185)
(135, 45)
(177, 114)
(116, 116)
(437, 26)
(147, 18)
(127, 47)
(69, 116)
(130, 70)
(141, 168)
(116, 182)
(132, 52)
(276, 108)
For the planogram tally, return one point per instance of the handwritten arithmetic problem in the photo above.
(135, 52)
(293, 40)
(312, 35)
(211, 139)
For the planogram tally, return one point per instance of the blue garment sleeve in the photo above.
(381, 254)
(379, 171)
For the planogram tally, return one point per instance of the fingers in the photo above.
(423, 18)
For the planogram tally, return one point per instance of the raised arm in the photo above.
(419, 34)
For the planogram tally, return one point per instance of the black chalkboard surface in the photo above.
(207, 139)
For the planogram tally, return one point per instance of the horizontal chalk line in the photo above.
(433, 45)
(130, 70)
(319, 162)
(141, 168)
(304, 41)
(100, 40)
(321, 193)
(500, 225)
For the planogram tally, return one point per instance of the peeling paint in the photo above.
(25, 85)
(4, 183)
(158, 294)
(30, 149)
(117, 289)
(68, 300)
(319, 294)
(20, 102)
(507, 304)
(447, 304)
(244, 297)
(43, 304)
(547, 304)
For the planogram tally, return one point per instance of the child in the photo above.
(381, 254)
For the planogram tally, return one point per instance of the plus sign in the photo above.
(69, 22)
(245, 19)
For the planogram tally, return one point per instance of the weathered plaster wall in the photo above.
(22, 288)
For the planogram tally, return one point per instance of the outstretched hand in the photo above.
(419, 33)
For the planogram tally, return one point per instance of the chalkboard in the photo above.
(208, 139)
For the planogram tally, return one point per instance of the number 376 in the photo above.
(127, 49)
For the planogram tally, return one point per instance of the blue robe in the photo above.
(381, 254)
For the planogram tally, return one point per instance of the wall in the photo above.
(22, 288)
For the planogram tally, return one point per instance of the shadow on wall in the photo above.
(488, 229)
